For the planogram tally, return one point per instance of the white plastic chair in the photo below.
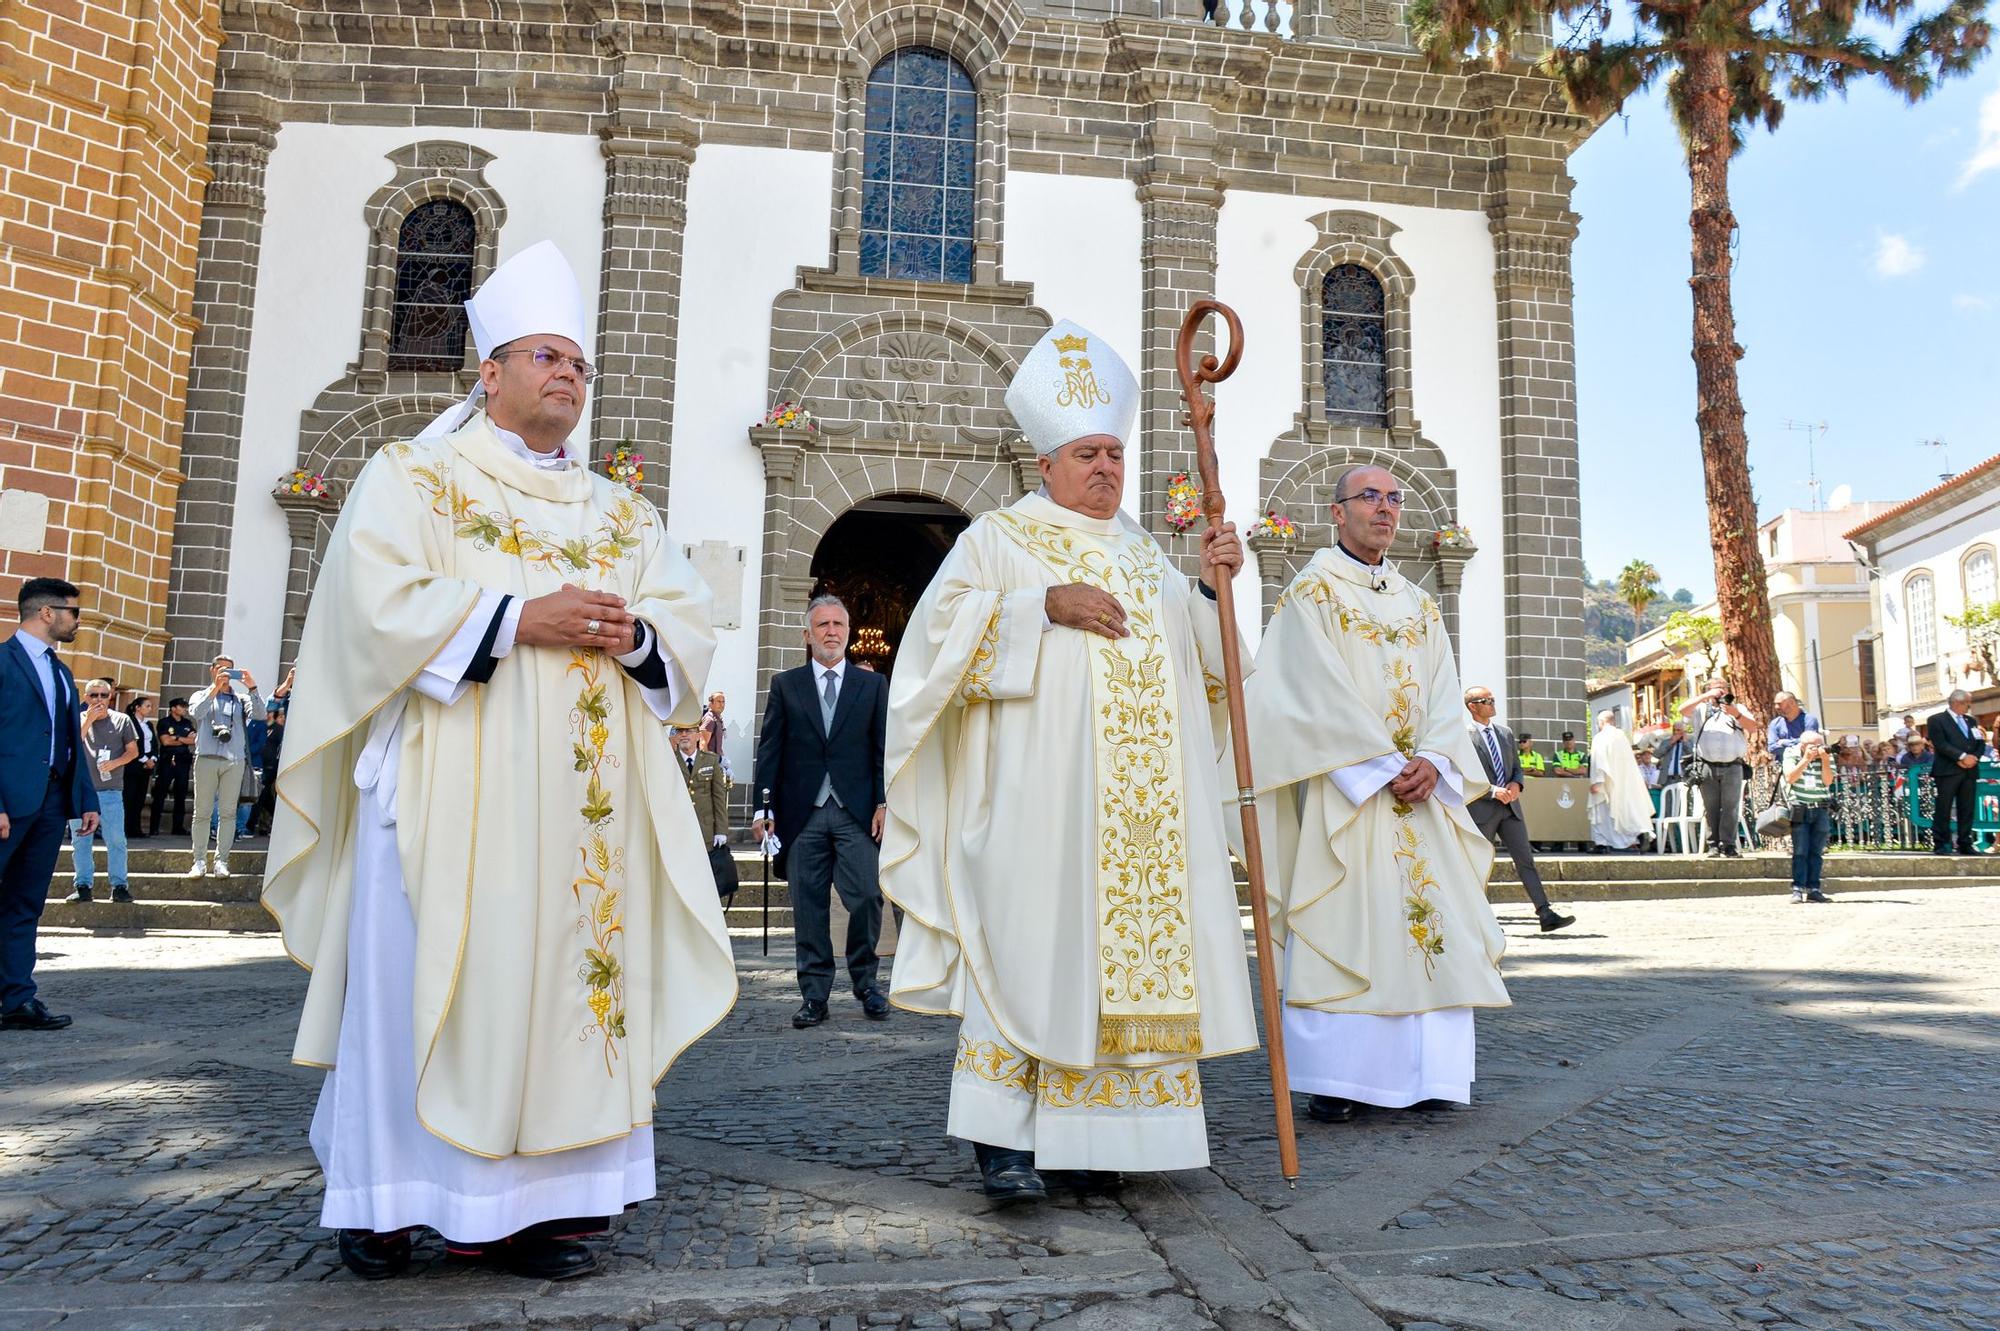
(1680, 818)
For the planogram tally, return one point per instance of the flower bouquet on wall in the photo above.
(309, 484)
(627, 466)
(1277, 528)
(789, 416)
(1452, 536)
(1183, 502)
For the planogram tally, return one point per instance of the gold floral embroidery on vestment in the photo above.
(1217, 689)
(1421, 917)
(1177, 1086)
(978, 686)
(992, 1061)
(596, 886)
(598, 553)
(1145, 939)
(1409, 632)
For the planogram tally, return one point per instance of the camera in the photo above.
(1728, 698)
(221, 733)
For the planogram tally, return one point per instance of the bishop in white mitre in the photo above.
(1054, 830)
(483, 850)
(1376, 872)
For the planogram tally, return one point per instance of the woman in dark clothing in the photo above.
(139, 772)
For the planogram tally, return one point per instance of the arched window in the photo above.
(1978, 579)
(434, 249)
(918, 168)
(1353, 348)
(1921, 600)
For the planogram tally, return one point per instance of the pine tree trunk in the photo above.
(1740, 591)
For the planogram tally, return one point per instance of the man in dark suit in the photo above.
(819, 761)
(1498, 814)
(43, 784)
(1956, 742)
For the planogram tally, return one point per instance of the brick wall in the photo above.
(102, 170)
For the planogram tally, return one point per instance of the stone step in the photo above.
(167, 855)
(237, 888)
(221, 916)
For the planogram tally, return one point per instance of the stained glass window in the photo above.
(919, 151)
(1920, 599)
(1353, 348)
(433, 278)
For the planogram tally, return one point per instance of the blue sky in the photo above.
(1867, 292)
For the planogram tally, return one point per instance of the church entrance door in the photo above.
(878, 557)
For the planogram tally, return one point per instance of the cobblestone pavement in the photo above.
(1699, 1113)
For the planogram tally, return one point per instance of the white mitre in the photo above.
(536, 291)
(1070, 385)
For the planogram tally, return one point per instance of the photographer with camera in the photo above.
(1720, 741)
(222, 713)
(1808, 789)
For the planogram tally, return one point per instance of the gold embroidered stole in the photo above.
(1145, 936)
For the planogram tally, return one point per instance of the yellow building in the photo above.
(1821, 619)
(103, 164)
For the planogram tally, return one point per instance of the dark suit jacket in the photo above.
(1949, 743)
(24, 739)
(1487, 812)
(794, 753)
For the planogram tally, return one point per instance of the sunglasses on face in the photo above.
(549, 359)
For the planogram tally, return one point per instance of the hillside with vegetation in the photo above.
(1608, 624)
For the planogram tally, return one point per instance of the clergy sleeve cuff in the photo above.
(1205, 589)
(661, 682)
(503, 625)
(1358, 781)
(1011, 646)
(1451, 785)
(467, 658)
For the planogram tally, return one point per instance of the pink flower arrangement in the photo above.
(302, 482)
(1276, 526)
(1183, 502)
(626, 466)
(790, 416)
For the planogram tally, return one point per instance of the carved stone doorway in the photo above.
(878, 557)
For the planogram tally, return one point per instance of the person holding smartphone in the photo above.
(222, 713)
(1809, 790)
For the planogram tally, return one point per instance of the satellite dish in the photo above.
(1842, 496)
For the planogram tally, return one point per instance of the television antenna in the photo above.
(1812, 430)
(1944, 456)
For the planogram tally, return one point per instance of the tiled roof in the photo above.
(1965, 477)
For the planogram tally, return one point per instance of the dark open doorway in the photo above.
(878, 557)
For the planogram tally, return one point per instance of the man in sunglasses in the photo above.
(1367, 772)
(483, 847)
(110, 745)
(1497, 813)
(44, 782)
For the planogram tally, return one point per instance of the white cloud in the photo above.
(1965, 300)
(1985, 157)
(1895, 256)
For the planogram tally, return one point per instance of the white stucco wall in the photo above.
(1455, 375)
(1076, 238)
(306, 325)
(1938, 546)
(741, 249)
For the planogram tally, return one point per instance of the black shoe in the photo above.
(550, 1259)
(1819, 898)
(81, 894)
(1553, 921)
(1941, 852)
(1085, 1182)
(1732, 854)
(1330, 1109)
(32, 1015)
(1008, 1176)
(375, 1256)
(875, 1003)
(811, 1013)
(122, 895)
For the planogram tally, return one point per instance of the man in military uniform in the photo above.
(708, 789)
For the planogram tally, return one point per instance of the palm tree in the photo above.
(1728, 64)
(1639, 587)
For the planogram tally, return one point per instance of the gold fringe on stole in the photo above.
(1177, 1034)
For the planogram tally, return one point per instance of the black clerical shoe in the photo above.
(1330, 1109)
(874, 1003)
(550, 1259)
(375, 1256)
(32, 1015)
(811, 1013)
(1085, 1182)
(1009, 1176)
(1552, 921)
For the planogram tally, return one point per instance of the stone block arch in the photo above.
(975, 33)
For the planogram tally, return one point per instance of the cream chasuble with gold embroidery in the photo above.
(1380, 905)
(1055, 837)
(568, 941)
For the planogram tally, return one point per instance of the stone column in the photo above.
(1541, 514)
(639, 296)
(1177, 258)
(225, 291)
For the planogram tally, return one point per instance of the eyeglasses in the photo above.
(97, 697)
(1480, 702)
(548, 358)
(1373, 498)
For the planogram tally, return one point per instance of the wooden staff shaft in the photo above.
(1200, 416)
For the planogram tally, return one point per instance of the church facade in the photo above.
(870, 210)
